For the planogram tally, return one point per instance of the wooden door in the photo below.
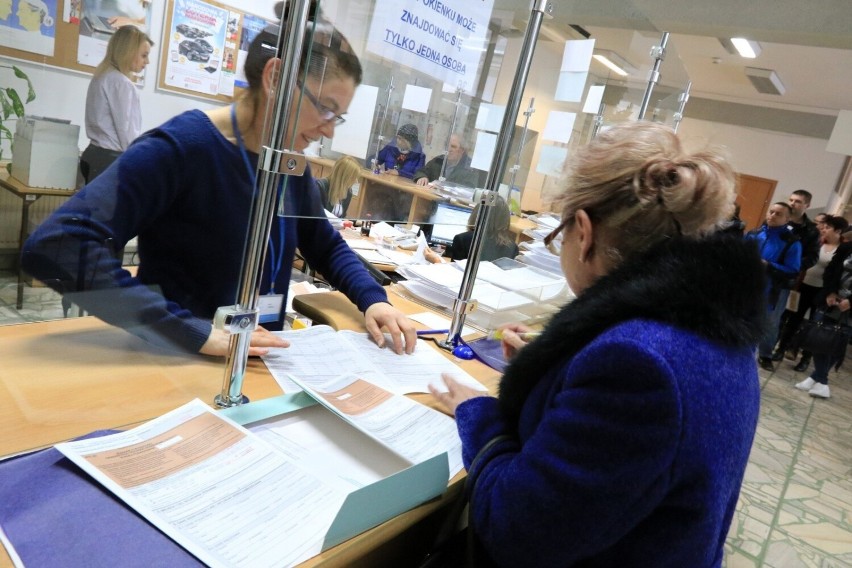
(754, 197)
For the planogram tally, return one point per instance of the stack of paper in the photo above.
(323, 353)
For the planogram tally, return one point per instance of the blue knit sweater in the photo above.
(186, 192)
(630, 420)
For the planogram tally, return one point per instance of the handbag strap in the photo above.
(452, 519)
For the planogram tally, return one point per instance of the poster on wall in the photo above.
(229, 55)
(444, 39)
(99, 19)
(252, 25)
(28, 25)
(196, 46)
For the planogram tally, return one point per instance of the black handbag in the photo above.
(824, 336)
(460, 549)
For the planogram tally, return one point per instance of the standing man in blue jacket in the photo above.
(781, 252)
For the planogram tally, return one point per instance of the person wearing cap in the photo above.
(186, 188)
(404, 155)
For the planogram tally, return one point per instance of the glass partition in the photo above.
(417, 136)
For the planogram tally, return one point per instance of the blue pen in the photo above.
(432, 331)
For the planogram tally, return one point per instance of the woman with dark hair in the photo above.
(830, 228)
(832, 305)
(186, 189)
(497, 242)
(622, 433)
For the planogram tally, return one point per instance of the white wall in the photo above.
(797, 162)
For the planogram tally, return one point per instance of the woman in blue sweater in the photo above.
(185, 189)
(621, 435)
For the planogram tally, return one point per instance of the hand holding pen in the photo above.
(514, 337)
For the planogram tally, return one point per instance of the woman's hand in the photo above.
(219, 342)
(512, 342)
(843, 305)
(456, 393)
(401, 329)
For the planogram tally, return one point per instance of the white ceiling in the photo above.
(809, 45)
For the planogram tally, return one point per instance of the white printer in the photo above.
(45, 152)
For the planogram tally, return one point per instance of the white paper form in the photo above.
(327, 446)
(412, 430)
(321, 354)
(223, 494)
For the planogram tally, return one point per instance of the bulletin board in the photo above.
(226, 40)
(203, 46)
(66, 39)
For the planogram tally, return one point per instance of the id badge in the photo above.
(269, 306)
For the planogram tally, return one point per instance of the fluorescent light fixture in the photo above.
(766, 81)
(613, 61)
(745, 47)
(741, 46)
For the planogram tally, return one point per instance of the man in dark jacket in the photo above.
(808, 234)
(457, 171)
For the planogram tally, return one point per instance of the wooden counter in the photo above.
(66, 378)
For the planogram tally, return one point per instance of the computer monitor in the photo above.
(447, 222)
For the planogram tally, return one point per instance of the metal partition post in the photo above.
(462, 305)
(379, 136)
(596, 126)
(450, 135)
(681, 100)
(659, 54)
(241, 319)
(516, 166)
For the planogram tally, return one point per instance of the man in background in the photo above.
(808, 235)
(457, 171)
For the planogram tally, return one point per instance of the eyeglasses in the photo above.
(552, 235)
(326, 114)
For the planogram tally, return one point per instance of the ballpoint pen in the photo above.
(432, 331)
(525, 335)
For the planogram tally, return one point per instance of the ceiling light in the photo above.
(746, 47)
(740, 46)
(766, 81)
(613, 61)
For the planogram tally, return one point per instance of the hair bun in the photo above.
(654, 178)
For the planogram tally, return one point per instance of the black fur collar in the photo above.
(713, 287)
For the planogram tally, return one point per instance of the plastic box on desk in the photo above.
(45, 153)
(438, 286)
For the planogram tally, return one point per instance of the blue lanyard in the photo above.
(275, 259)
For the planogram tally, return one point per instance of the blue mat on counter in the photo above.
(490, 352)
(54, 514)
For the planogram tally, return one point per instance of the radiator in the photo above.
(10, 215)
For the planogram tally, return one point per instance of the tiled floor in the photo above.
(795, 508)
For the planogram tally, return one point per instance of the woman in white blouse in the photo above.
(113, 112)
